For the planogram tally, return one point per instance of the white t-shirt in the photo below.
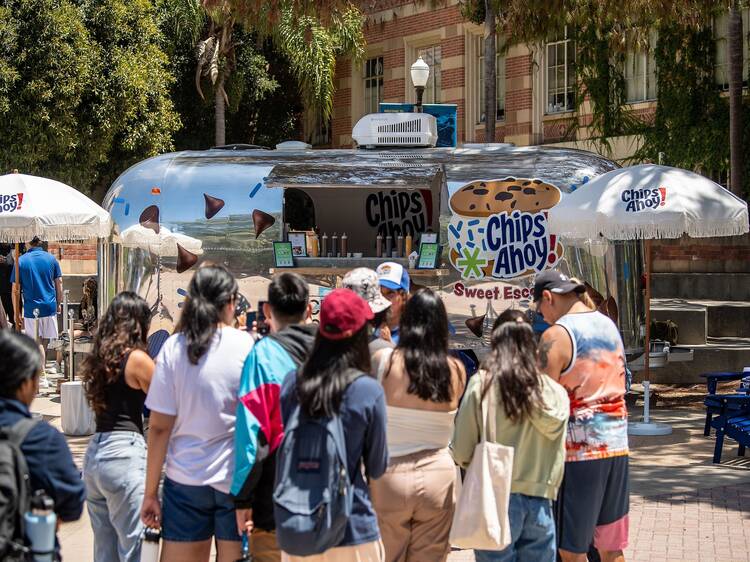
(203, 397)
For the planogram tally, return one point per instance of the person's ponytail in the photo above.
(210, 290)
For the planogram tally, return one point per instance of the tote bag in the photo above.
(481, 517)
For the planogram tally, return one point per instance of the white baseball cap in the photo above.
(394, 276)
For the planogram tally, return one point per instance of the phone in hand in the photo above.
(264, 328)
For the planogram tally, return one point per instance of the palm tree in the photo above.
(311, 34)
(734, 37)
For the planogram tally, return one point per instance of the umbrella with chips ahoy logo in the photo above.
(10, 203)
(499, 228)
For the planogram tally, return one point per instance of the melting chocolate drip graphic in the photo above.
(150, 218)
(213, 205)
(475, 325)
(262, 221)
(185, 259)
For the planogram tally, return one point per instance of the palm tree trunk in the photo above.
(220, 138)
(490, 79)
(735, 97)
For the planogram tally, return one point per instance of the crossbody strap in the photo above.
(488, 405)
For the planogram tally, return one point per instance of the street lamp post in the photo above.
(420, 73)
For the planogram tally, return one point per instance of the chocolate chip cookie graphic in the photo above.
(485, 198)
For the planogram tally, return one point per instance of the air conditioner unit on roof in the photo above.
(396, 129)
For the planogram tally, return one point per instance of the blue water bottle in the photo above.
(40, 527)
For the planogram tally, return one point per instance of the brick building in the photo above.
(535, 85)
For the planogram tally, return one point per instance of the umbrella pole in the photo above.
(647, 338)
(646, 427)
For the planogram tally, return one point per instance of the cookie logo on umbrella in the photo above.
(499, 228)
(11, 203)
(637, 200)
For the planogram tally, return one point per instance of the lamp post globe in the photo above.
(420, 73)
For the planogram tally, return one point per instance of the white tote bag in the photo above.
(481, 517)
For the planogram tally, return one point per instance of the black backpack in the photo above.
(15, 491)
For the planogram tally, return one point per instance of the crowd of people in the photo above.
(342, 439)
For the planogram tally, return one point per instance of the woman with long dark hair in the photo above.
(415, 498)
(530, 415)
(117, 375)
(334, 382)
(193, 402)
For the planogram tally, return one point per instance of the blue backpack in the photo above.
(312, 501)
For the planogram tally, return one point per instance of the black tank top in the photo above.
(124, 411)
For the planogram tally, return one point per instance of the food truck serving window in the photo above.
(362, 202)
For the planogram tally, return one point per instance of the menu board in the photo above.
(428, 255)
(282, 254)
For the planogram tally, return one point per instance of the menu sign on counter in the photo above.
(282, 254)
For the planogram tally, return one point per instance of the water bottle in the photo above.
(40, 527)
(245, 550)
(150, 545)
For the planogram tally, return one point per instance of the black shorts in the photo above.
(593, 505)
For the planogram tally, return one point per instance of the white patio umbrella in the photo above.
(163, 244)
(648, 202)
(32, 206)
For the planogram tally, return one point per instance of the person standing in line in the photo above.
(48, 459)
(117, 375)
(334, 381)
(530, 415)
(395, 284)
(6, 287)
(259, 430)
(415, 499)
(583, 350)
(364, 282)
(41, 285)
(193, 404)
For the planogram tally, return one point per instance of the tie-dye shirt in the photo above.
(595, 381)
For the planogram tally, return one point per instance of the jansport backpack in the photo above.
(15, 492)
(312, 501)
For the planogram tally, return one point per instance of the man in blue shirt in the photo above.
(41, 285)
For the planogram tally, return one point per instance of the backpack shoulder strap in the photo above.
(18, 431)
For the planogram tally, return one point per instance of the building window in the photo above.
(721, 33)
(433, 57)
(640, 72)
(500, 77)
(373, 86)
(561, 74)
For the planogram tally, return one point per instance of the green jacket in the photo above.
(539, 441)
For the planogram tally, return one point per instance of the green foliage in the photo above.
(83, 89)
(692, 118)
(312, 49)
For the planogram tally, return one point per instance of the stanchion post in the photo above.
(71, 355)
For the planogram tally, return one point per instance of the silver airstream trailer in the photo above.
(484, 203)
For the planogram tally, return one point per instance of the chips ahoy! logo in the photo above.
(637, 200)
(11, 203)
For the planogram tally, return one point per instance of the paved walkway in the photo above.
(683, 507)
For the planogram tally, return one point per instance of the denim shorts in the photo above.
(196, 513)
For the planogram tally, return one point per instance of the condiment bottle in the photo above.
(379, 246)
(388, 246)
(400, 246)
(335, 245)
(324, 245)
(344, 240)
(409, 242)
(314, 246)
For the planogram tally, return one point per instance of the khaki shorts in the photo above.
(367, 552)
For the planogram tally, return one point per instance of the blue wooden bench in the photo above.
(733, 421)
(713, 406)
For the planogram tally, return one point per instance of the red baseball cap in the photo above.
(342, 314)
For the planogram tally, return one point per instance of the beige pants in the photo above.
(367, 552)
(415, 500)
(263, 547)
